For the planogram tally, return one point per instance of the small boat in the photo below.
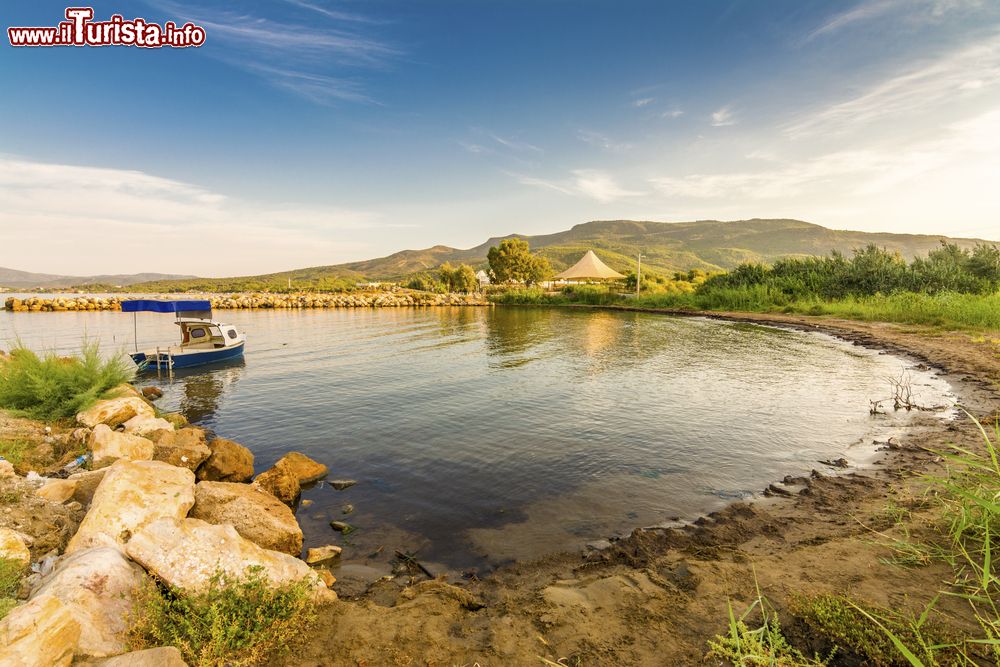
(203, 341)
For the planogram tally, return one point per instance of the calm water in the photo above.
(483, 435)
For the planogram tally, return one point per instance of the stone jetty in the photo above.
(399, 299)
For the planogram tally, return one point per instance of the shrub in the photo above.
(234, 622)
(11, 572)
(53, 387)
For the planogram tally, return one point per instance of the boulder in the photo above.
(185, 448)
(175, 418)
(281, 483)
(108, 446)
(161, 656)
(6, 469)
(57, 490)
(40, 633)
(256, 515)
(99, 587)
(228, 462)
(187, 553)
(144, 424)
(151, 393)
(304, 468)
(324, 554)
(131, 495)
(87, 482)
(12, 547)
(115, 411)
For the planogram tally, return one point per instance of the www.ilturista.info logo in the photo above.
(80, 30)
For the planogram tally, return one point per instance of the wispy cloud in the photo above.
(910, 12)
(140, 210)
(969, 69)
(862, 11)
(330, 13)
(673, 113)
(644, 101)
(515, 144)
(306, 58)
(602, 141)
(591, 183)
(723, 117)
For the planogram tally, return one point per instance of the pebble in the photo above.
(342, 527)
(341, 484)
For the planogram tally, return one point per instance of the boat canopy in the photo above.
(196, 308)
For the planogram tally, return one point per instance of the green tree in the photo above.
(512, 261)
(461, 278)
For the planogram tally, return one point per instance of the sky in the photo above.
(315, 132)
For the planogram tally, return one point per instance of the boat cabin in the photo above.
(206, 335)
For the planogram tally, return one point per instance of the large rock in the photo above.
(281, 483)
(255, 514)
(87, 482)
(108, 446)
(187, 553)
(161, 656)
(12, 547)
(57, 490)
(40, 633)
(228, 462)
(185, 448)
(115, 411)
(6, 469)
(302, 467)
(145, 424)
(99, 586)
(133, 494)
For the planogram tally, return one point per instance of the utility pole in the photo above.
(638, 275)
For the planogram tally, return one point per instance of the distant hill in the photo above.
(27, 280)
(710, 245)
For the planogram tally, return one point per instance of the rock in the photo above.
(185, 448)
(12, 547)
(133, 494)
(107, 446)
(302, 467)
(87, 482)
(341, 484)
(341, 527)
(151, 393)
(256, 515)
(40, 633)
(228, 462)
(347, 509)
(6, 469)
(99, 587)
(326, 576)
(836, 463)
(162, 656)
(57, 490)
(319, 555)
(175, 418)
(115, 411)
(143, 424)
(281, 483)
(187, 553)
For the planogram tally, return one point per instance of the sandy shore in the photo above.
(657, 596)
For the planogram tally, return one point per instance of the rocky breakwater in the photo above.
(163, 502)
(248, 301)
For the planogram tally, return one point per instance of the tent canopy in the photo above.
(589, 266)
(200, 308)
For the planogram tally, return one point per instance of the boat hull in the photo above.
(187, 359)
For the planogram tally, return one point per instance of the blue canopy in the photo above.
(157, 306)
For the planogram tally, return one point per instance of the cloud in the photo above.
(912, 12)
(863, 11)
(970, 69)
(602, 141)
(643, 102)
(723, 117)
(591, 183)
(516, 145)
(71, 219)
(330, 13)
(673, 113)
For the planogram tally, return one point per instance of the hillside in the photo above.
(26, 279)
(666, 247)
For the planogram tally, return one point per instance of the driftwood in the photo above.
(410, 559)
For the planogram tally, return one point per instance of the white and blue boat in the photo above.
(203, 341)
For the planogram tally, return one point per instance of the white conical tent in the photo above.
(589, 266)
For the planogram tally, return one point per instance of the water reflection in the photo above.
(201, 388)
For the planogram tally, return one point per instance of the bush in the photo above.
(54, 387)
(11, 572)
(234, 622)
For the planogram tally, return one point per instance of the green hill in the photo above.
(666, 247)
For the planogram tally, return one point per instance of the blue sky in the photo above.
(308, 132)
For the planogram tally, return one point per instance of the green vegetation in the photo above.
(11, 572)
(461, 278)
(234, 622)
(14, 450)
(762, 646)
(512, 261)
(54, 387)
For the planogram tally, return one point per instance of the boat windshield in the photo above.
(201, 335)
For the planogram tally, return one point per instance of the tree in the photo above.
(512, 261)
(458, 279)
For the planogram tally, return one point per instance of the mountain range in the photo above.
(710, 245)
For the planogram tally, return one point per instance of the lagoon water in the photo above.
(478, 435)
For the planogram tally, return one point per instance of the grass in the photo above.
(11, 572)
(14, 450)
(51, 387)
(234, 622)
